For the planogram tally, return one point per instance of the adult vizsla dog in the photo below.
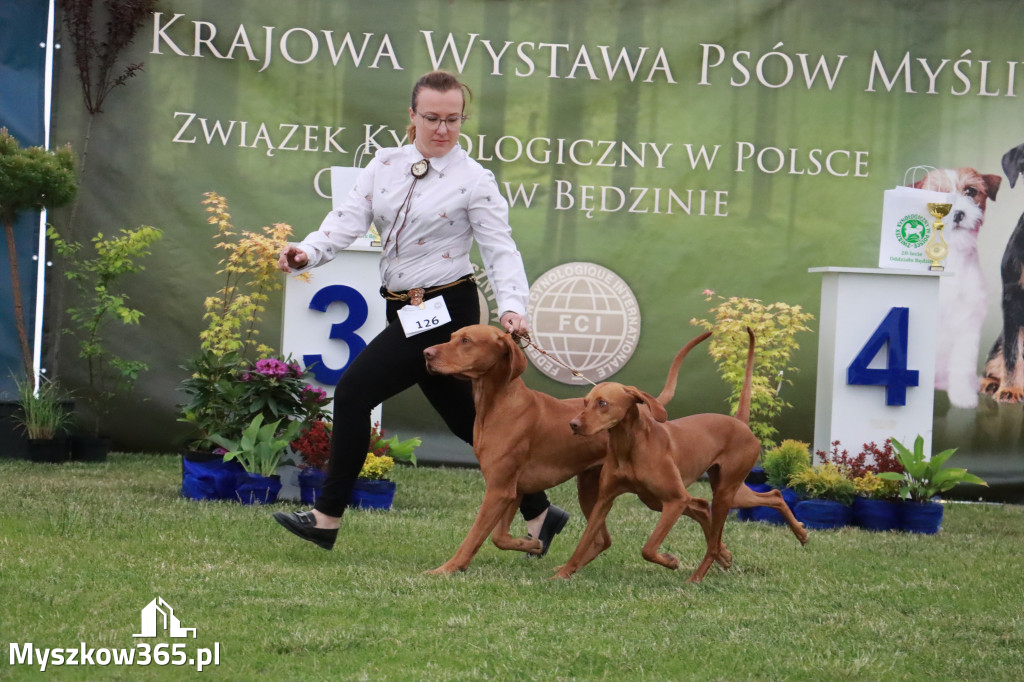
(521, 437)
(657, 459)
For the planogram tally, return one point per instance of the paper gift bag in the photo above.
(907, 227)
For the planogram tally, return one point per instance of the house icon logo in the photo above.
(158, 615)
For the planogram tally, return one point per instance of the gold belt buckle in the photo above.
(416, 297)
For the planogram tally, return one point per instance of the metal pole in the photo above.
(41, 262)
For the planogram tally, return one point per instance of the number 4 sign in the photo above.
(876, 356)
(895, 377)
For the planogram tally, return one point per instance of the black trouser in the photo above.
(388, 365)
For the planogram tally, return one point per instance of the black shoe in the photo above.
(303, 524)
(553, 524)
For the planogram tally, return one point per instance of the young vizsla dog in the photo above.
(657, 460)
(521, 437)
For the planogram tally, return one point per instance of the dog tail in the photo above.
(669, 391)
(743, 409)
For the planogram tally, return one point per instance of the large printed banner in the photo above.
(650, 150)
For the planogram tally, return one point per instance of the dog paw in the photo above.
(801, 534)
(724, 558)
(562, 574)
(670, 561)
(1010, 395)
(446, 568)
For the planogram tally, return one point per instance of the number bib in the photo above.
(416, 320)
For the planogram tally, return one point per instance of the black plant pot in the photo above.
(87, 448)
(49, 450)
(13, 443)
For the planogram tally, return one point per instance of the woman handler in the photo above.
(430, 201)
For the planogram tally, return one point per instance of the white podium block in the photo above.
(332, 317)
(876, 357)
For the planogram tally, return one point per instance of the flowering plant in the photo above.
(824, 482)
(384, 451)
(872, 458)
(226, 393)
(864, 468)
(376, 467)
(314, 445)
(869, 485)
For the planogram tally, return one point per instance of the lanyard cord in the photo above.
(418, 170)
(407, 205)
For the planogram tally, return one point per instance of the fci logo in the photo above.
(585, 315)
(159, 616)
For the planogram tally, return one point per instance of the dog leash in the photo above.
(524, 341)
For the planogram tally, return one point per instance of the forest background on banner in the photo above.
(736, 108)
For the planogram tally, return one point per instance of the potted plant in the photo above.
(373, 490)
(314, 449)
(33, 178)
(778, 463)
(101, 304)
(921, 481)
(876, 504)
(44, 414)
(775, 325)
(259, 451)
(226, 394)
(826, 496)
(226, 387)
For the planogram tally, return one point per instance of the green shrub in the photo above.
(785, 460)
(823, 482)
(775, 327)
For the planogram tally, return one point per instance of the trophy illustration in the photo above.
(936, 248)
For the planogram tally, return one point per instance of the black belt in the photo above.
(415, 296)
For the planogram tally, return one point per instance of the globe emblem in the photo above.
(584, 316)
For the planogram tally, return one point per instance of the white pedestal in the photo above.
(859, 305)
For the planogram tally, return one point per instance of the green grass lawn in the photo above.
(84, 547)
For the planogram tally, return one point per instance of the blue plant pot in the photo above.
(773, 516)
(920, 517)
(256, 489)
(823, 514)
(206, 476)
(876, 515)
(369, 494)
(311, 481)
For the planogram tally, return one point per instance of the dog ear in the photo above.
(516, 357)
(656, 408)
(1012, 163)
(992, 183)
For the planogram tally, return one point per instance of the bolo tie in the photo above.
(418, 171)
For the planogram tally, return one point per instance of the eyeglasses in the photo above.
(435, 121)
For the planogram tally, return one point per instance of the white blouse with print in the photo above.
(427, 242)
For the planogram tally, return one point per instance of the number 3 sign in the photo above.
(876, 356)
(329, 319)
